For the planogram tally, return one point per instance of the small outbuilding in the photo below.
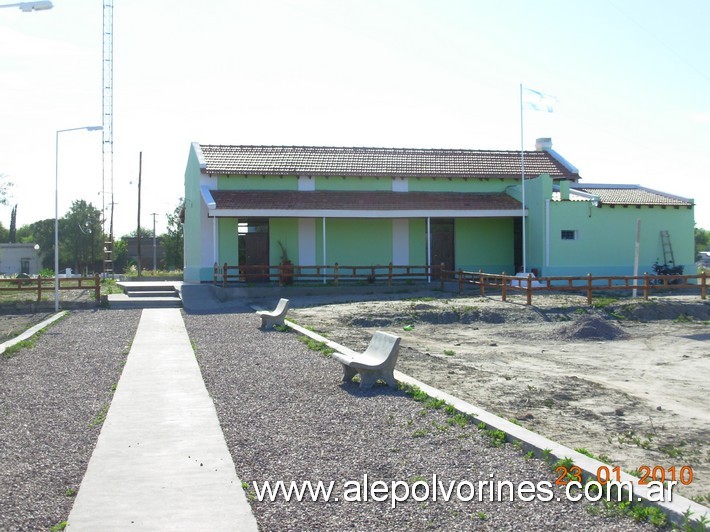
(19, 258)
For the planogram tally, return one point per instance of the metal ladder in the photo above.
(667, 248)
(108, 258)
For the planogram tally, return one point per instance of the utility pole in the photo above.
(138, 231)
(155, 253)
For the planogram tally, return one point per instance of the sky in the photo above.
(631, 80)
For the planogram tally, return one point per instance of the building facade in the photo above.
(259, 205)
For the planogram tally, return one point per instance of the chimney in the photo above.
(564, 190)
(543, 144)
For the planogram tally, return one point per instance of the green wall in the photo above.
(269, 182)
(284, 230)
(358, 242)
(194, 271)
(460, 185)
(353, 183)
(484, 243)
(228, 242)
(417, 242)
(606, 238)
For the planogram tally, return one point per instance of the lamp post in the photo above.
(28, 7)
(56, 208)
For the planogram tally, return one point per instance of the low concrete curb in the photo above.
(31, 331)
(677, 510)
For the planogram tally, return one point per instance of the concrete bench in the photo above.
(377, 362)
(276, 317)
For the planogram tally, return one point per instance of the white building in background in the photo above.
(19, 258)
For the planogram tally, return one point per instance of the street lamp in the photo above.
(56, 208)
(28, 7)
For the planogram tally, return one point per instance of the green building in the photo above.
(251, 205)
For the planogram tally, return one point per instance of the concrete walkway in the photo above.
(161, 461)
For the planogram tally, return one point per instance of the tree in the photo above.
(81, 238)
(702, 240)
(42, 233)
(173, 240)
(5, 186)
(12, 236)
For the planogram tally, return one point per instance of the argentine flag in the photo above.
(538, 101)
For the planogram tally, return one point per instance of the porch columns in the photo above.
(428, 248)
(215, 250)
(324, 252)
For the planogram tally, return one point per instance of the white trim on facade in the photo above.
(307, 241)
(307, 213)
(400, 184)
(306, 183)
(400, 241)
(207, 197)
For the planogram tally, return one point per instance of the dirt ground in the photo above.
(627, 381)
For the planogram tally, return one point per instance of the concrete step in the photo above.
(151, 293)
(148, 286)
(122, 301)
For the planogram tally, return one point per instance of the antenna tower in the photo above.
(107, 113)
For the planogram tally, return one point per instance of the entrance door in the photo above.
(254, 248)
(442, 243)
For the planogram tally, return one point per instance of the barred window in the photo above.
(569, 234)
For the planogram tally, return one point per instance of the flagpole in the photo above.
(522, 169)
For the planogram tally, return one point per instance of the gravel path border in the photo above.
(51, 396)
(287, 416)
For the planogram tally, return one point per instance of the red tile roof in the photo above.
(631, 195)
(366, 201)
(381, 162)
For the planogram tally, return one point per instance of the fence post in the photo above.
(389, 279)
(529, 291)
(39, 288)
(281, 275)
(703, 285)
(97, 290)
(645, 285)
(503, 288)
(335, 274)
(480, 283)
(214, 274)
(589, 289)
(441, 275)
(224, 276)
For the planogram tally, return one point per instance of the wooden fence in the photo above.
(42, 285)
(583, 284)
(286, 274)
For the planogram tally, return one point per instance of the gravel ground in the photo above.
(49, 396)
(287, 416)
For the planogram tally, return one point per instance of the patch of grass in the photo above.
(683, 318)
(671, 451)
(315, 345)
(12, 350)
(282, 328)
(481, 515)
(460, 420)
(449, 352)
(603, 302)
(100, 416)
(70, 492)
(58, 527)
(585, 452)
(530, 455)
(420, 433)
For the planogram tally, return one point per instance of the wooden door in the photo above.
(442, 243)
(254, 249)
